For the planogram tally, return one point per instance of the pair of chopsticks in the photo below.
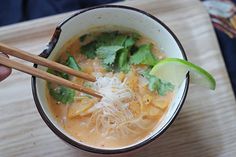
(43, 74)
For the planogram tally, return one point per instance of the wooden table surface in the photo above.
(206, 125)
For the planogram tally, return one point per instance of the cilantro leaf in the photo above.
(156, 84)
(164, 87)
(143, 56)
(108, 53)
(61, 93)
(129, 42)
(57, 73)
(119, 40)
(71, 62)
(125, 68)
(108, 67)
(58, 92)
(113, 49)
(122, 58)
(161, 86)
(89, 49)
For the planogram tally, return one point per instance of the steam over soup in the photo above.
(133, 100)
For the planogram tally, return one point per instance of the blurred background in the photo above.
(222, 13)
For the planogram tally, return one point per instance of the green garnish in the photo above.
(117, 51)
(129, 42)
(113, 49)
(63, 94)
(156, 84)
(57, 73)
(143, 56)
(60, 93)
(108, 53)
(89, 50)
(71, 62)
(123, 60)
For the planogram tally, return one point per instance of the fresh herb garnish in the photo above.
(117, 51)
(123, 60)
(89, 50)
(129, 42)
(108, 53)
(71, 62)
(113, 49)
(60, 93)
(143, 56)
(156, 84)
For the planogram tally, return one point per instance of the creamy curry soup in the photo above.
(133, 101)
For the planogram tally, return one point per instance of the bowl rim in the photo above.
(52, 43)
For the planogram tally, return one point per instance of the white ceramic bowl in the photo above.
(111, 15)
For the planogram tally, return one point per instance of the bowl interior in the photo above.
(108, 18)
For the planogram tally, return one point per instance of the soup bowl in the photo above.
(102, 17)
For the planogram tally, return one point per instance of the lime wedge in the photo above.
(174, 70)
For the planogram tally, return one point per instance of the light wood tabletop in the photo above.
(206, 125)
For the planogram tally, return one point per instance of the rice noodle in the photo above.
(111, 116)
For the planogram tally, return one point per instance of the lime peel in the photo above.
(174, 70)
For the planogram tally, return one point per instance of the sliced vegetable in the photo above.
(162, 104)
(135, 108)
(132, 80)
(147, 99)
(153, 112)
(77, 109)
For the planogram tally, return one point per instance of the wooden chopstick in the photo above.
(46, 76)
(44, 62)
